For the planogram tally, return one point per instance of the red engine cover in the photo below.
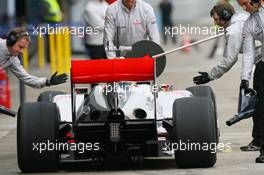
(112, 70)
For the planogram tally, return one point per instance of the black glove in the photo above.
(57, 79)
(201, 79)
(244, 85)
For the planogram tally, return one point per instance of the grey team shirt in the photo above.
(252, 31)
(233, 46)
(135, 25)
(13, 64)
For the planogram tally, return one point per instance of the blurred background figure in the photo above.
(166, 9)
(94, 17)
(50, 11)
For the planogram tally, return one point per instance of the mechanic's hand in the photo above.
(201, 79)
(245, 85)
(57, 79)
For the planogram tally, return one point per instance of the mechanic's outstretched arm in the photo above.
(231, 52)
(33, 81)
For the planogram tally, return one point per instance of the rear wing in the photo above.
(110, 70)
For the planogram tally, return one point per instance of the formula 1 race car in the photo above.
(118, 119)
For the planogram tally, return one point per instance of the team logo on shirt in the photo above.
(137, 22)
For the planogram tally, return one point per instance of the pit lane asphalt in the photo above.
(180, 69)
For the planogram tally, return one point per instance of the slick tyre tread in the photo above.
(194, 126)
(203, 91)
(37, 123)
(206, 91)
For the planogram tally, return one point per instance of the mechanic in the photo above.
(233, 31)
(136, 21)
(224, 16)
(11, 48)
(166, 9)
(127, 22)
(254, 30)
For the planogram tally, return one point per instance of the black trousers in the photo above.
(165, 36)
(258, 117)
(96, 52)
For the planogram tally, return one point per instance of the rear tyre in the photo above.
(203, 91)
(194, 132)
(206, 91)
(49, 95)
(37, 124)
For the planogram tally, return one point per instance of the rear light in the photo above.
(70, 137)
(114, 132)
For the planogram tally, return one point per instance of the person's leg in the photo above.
(96, 52)
(89, 49)
(164, 34)
(174, 37)
(100, 52)
(258, 117)
(260, 158)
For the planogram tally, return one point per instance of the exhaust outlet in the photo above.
(95, 115)
(140, 113)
